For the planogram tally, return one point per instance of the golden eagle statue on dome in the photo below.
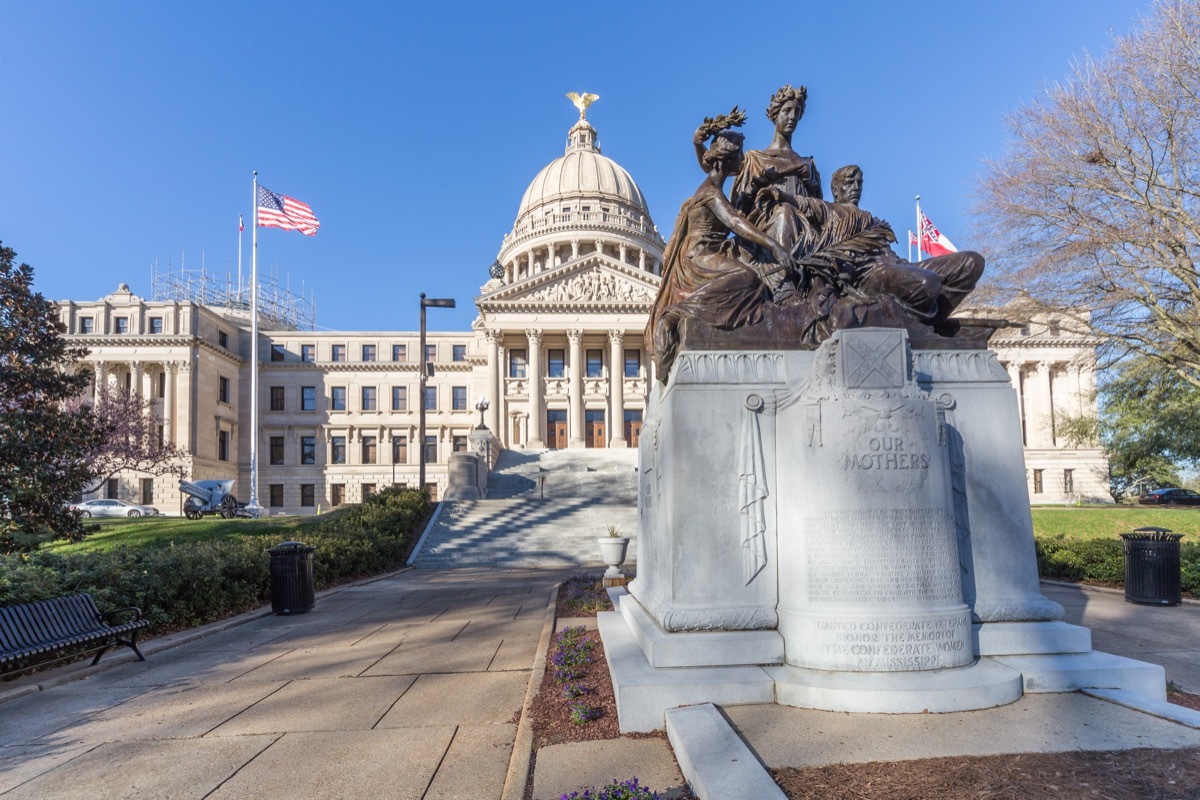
(776, 266)
(582, 101)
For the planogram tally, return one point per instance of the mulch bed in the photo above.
(581, 596)
(550, 712)
(1184, 699)
(1120, 775)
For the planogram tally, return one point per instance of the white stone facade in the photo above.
(557, 350)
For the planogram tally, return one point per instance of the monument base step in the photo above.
(1094, 670)
(713, 758)
(1030, 638)
(644, 693)
(696, 648)
(981, 685)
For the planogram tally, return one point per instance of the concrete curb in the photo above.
(1148, 705)
(79, 670)
(421, 542)
(714, 760)
(1187, 601)
(522, 753)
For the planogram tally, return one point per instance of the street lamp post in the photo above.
(426, 368)
(481, 406)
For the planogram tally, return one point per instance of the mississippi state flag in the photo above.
(932, 241)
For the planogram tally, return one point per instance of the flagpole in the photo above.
(253, 506)
(920, 229)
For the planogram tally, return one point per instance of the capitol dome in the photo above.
(580, 203)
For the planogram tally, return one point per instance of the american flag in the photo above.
(277, 211)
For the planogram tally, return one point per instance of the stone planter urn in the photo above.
(612, 553)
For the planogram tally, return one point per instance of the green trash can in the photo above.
(292, 578)
(1152, 567)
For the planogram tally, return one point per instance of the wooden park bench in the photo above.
(48, 630)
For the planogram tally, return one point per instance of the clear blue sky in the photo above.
(130, 130)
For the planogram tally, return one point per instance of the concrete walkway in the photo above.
(407, 687)
(410, 687)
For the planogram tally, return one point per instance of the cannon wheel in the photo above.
(228, 507)
(191, 513)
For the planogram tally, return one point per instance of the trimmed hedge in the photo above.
(184, 585)
(1103, 561)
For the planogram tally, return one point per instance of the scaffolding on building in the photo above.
(279, 308)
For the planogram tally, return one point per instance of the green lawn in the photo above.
(164, 531)
(1107, 521)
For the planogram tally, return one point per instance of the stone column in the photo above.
(616, 388)
(575, 390)
(1045, 415)
(529, 268)
(495, 383)
(624, 251)
(135, 379)
(1013, 369)
(101, 380)
(642, 260)
(537, 416)
(169, 403)
(574, 249)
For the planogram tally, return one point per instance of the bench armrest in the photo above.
(137, 613)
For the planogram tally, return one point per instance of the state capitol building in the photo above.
(556, 350)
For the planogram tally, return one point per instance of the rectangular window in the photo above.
(110, 489)
(399, 352)
(156, 325)
(516, 363)
(162, 384)
(460, 352)
(369, 399)
(431, 352)
(277, 398)
(223, 390)
(1054, 328)
(85, 325)
(1068, 481)
(1037, 481)
(337, 398)
(399, 398)
(399, 449)
(337, 494)
(431, 449)
(121, 325)
(368, 450)
(161, 434)
(277, 352)
(431, 398)
(308, 494)
(308, 398)
(147, 491)
(368, 352)
(633, 363)
(368, 490)
(222, 445)
(460, 444)
(276, 451)
(337, 450)
(458, 398)
(276, 493)
(308, 449)
(595, 364)
(308, 352)
(223, 339)
(556, 363)
(337, 352)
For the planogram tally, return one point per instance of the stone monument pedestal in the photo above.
(845, 529)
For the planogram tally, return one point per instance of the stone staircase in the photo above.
(544, 509)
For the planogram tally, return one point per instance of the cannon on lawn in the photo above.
(211, 497)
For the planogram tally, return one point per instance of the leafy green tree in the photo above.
(45, 436)
(1093, 212)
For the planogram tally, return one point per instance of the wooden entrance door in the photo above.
(633, 427)
(593, 434)
(556, 430)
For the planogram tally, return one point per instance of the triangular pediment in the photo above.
(592, 281)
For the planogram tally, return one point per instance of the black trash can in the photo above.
(1152, 567)
(292, 578)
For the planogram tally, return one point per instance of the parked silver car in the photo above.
(112, 508)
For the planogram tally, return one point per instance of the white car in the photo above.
(112, 508)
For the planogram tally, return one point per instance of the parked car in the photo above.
(112, 508)
(1171, 497)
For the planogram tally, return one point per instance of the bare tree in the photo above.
(1093, 213)
(135, 440)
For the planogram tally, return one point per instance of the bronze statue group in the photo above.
(797, 265)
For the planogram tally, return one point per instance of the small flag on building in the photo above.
(241, 227)
(932, 241)
(277, 211)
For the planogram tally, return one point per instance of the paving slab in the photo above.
(179, 769)
(515, 653)
(565, 768)
(316, 662)
(414, 657)
(475, 765)
(184, 665)
(341, 764)
(474, 698)
(35, 715)
(321, 704)
(21, 764)
(783, 736)
(169, 712)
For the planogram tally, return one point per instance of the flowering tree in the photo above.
(133, 441)
(1093, 213)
